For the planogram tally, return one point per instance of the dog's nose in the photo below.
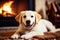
(28, 22)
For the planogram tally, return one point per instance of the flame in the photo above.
(7, 7)
(0, 10)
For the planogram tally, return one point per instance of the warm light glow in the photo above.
(0, 10)
(7, 7)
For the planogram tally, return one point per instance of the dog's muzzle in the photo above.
(28, 23)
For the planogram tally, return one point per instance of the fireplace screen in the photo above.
(10, 8)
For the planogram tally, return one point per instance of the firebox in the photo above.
(10, 8)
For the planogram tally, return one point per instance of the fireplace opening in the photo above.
(10, 8)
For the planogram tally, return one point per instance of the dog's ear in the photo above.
(18, 18)
(38, 17)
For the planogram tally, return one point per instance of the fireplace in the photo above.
(10, 8)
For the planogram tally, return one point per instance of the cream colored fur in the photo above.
(39, 26)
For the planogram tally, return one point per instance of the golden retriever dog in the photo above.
(31, 24)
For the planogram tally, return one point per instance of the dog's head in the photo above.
(28, 18)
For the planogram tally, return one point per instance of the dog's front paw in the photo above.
(26, 36)
(15, 36)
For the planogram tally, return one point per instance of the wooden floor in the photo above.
(5, 34)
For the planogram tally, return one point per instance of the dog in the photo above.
(31, 24)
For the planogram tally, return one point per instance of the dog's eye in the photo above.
(24, 16)
(31, 16)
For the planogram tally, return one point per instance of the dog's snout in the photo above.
(28, 22)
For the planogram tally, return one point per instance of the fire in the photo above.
(6, 9)
(0, 10)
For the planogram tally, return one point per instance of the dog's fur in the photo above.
(31, 24)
